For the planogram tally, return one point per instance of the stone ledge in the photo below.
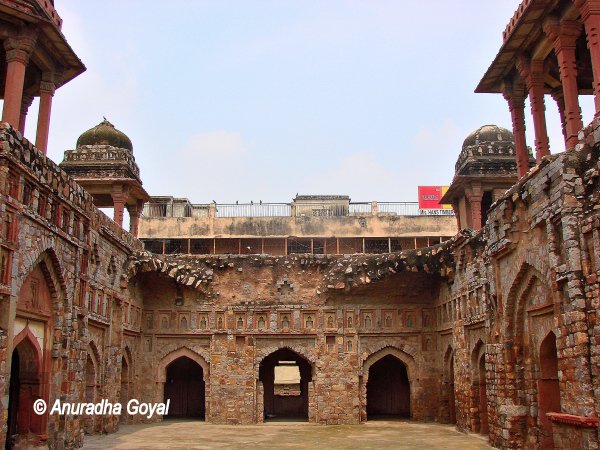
(570, 419)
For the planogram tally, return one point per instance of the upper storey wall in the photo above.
(307, 226)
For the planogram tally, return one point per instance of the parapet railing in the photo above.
(293, 209)
(253, 210)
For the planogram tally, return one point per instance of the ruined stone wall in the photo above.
(54, 238)
(531, 274)
(339, 314)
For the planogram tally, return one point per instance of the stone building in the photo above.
(493, 329)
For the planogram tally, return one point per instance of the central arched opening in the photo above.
(388, 389)
(184, 387)
(285, 376)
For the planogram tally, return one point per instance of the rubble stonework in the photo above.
(533, 271)
(120, 317)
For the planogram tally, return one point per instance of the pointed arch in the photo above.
(184, 376)
(289, 398)
(404, 357)
(50, 265)
(448, 390)
(479, 403)
(517, 298)
(27, 336)
(388, 383)
(183, 351)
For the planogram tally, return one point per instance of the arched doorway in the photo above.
(184, 387)
(451, 394)
(89, 426)
(124, 395)
(285, 376)
(483, 404)
(388, 389)
(548, 389)
(24, 390)
(479, 403)
(13, 401)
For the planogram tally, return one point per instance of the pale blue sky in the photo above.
(259, 100)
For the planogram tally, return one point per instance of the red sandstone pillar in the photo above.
(457, 215)
(474, 199)
(119, 209)
(564, 35)
(25, 104)
(17, 57)
(533, 74)
(135, 213)
(559, 98)
(590, 14)
(118, 197)
(43, 125)
(516, 105)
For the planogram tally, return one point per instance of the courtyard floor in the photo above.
(200, 435)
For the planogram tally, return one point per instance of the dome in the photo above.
(488, 134)
(489, 149)
(105, 133)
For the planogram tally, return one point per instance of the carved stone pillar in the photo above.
(118, 197)
(457, 215)
(135, 212)
(563, 36)
(533, 74)
(43, 125)
(559, 98)
(474, 197)
(25, 104)
(18, 49)
(516, 104)
(590, 14)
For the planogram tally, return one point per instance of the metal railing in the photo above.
(398, 208)
(360, 209)
(300, 209)
(253, 210)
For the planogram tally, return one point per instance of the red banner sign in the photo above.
(430, 196)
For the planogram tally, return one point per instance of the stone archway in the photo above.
(184, 389)
(182, 376)
(285, 378)
(396, 390)
(388, 389)
(449, 393)
(479, 403)
(528, 320)
(125, 393)
(41, 291)
(92, 392)
(548, 389)
(26, 386)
